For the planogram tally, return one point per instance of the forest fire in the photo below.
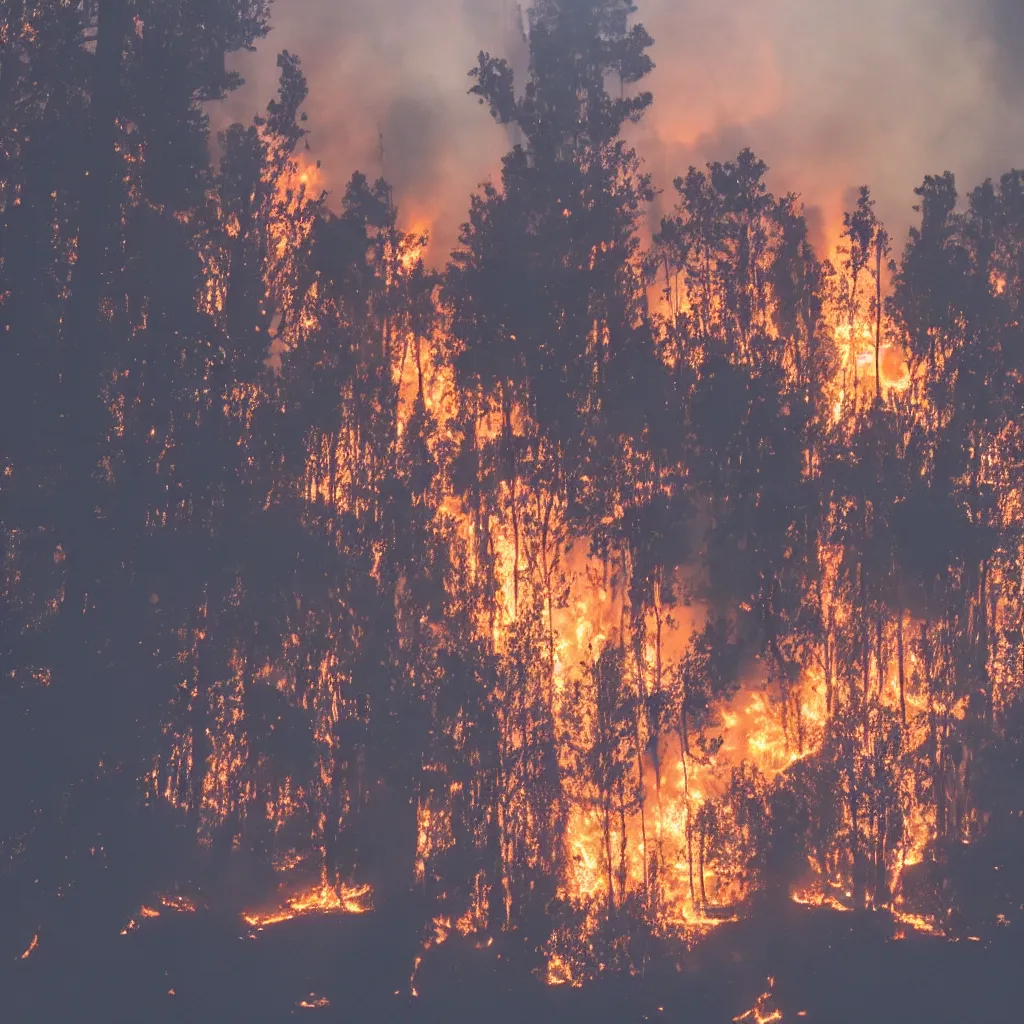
(588, 594)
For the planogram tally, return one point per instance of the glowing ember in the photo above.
(815, 897)
(32, 947)
(314, 1002)
(178, 904)
(560, 973)
(173, 903)
(287, 860)
(918, 922)
(762, 1011)
(323, 899)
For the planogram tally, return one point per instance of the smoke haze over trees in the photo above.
(836, 93)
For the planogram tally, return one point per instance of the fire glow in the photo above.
(762, 1011)
(323, 899)
(314, 1002)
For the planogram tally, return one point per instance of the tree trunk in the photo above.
(935, 742)
(606, 827)
(879, 660)
(881, 896)
(86, 538)
(10, 59)
(689, 852)
(858, 875)
(206, 672)
(879, 248)
(902, 670)
(700, 856)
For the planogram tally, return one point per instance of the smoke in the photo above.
(388, 94)
(1006, 23)
(831, 94)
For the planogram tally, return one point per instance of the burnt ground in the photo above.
(830, 968)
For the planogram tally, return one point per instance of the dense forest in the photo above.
(587, 590)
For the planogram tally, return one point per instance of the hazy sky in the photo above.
(830, 93)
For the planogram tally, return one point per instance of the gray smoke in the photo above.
(831, 94)
(1006, 25)
(835, 94)
(388, 93)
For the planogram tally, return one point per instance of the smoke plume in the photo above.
(829, 93)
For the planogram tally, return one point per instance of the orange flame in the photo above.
(761, 1012)
(322, 899)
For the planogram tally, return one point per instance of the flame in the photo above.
(762, 1011)
(287, 860)
(920, 923)
(321, 899)
(307, 174)
(559, 972)
(816, 897)
(417, 243)
(178, 904)
(174, 903)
